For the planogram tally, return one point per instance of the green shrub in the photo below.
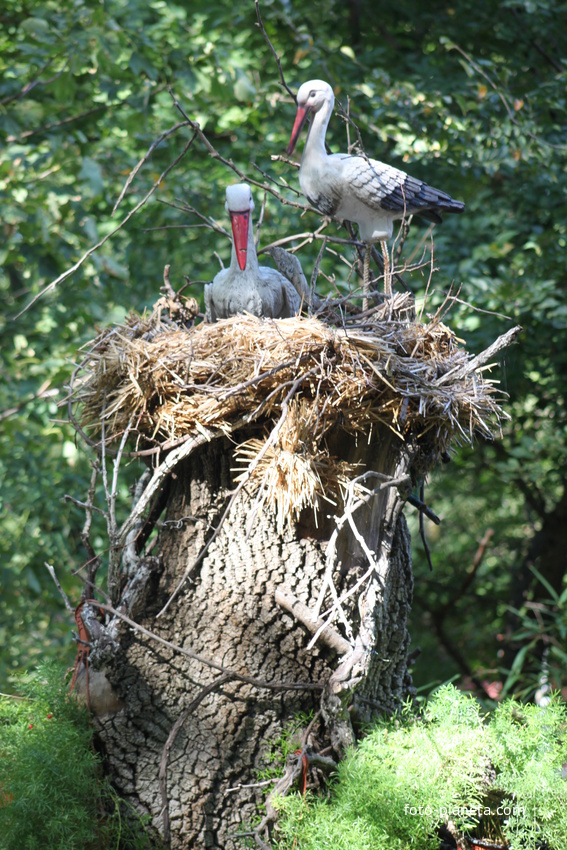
(410, 776)
(529, 753)
(52, 796)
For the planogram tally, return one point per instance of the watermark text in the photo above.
(464, 811)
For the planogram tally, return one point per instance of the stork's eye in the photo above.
(312, 93)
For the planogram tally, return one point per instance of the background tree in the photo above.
(472, 96)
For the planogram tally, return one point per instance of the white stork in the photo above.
(355, 188)
(245, 285)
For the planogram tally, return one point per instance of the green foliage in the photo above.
(282, 747)
(470, 96)
(52, 794)
(542, 635)
(529, 753)
(409, 776)
(49, 774)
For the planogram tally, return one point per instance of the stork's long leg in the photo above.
(366, 276)
(387, 276)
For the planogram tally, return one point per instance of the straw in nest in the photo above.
(165, 383)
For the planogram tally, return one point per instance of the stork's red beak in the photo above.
(239, 221)
(300, 119)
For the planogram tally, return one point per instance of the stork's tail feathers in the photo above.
(435, 204)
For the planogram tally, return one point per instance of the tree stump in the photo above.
(230, 617)
(227, 612)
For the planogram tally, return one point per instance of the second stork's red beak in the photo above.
(300, 119)
(239, 221)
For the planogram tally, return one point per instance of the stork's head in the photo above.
(311, 97)
(239, 205)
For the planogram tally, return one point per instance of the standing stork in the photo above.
(355, 188)
(246, 286)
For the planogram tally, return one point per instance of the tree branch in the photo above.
(272, 48)
(35, 81)
(230, 164)
(43, 392)
(460, 372)
(64, 596)
(144, 159)
(108, 236)
(303, 614)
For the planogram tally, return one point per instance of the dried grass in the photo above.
(173, 382)
(295, 472)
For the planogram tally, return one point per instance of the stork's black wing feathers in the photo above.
(415, 197)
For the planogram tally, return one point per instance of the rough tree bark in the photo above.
(227, 612)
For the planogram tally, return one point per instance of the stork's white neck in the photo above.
(315, 143)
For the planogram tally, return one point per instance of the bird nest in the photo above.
(158, 383)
